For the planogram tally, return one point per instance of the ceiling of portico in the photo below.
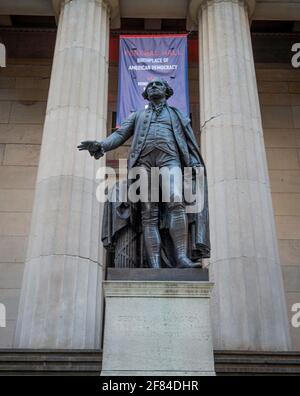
(283, 10)
(265, 9)
(154, 8)
(26, 7)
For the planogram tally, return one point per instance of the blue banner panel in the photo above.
(143, 58)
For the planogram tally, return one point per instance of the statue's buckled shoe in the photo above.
(154, 263)
(185, 262)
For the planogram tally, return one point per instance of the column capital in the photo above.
(113, 6)
(195, 5)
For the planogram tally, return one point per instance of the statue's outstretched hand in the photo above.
(93, 147)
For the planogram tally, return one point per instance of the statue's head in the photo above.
(157, 89)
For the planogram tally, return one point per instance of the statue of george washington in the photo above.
(163, 137)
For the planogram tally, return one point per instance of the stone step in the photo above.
(88, 362)
(257, 363)
(50, 362)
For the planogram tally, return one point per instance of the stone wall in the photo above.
(23, 95)
(279, 92)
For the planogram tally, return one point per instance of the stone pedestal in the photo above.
(158, 328)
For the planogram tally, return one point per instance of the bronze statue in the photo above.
(162, 137)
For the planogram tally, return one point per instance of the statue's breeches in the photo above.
(166, 187)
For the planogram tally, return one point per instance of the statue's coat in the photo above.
(137, 126)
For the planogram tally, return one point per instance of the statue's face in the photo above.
(156, 90)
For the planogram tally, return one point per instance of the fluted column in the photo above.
(60, 304)
(249, 310)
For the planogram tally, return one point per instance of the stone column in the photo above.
(249, 310)
(61, 297)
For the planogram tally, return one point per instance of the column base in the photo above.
(157, 328)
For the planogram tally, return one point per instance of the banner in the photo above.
(143, 58)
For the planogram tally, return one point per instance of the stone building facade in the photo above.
(59, 87)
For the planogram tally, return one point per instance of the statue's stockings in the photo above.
(178, 229)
